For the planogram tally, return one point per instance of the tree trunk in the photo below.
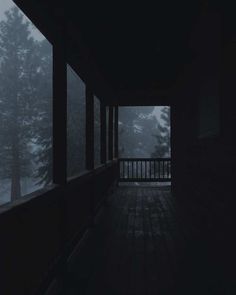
(15, 176)
(15, 150)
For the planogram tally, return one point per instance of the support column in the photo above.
(60, 143)
(89, 129)
(103, 132)
(110, 130)
(59, 113)
(116, 132)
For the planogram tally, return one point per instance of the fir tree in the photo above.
(136, 126)
(163, 147)
(18, 72)
(43, 123)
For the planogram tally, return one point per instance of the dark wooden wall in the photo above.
(203, 142)
(203, 174)
(32, 233)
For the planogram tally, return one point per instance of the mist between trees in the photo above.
(26, 115)
(142, 135)
(26, 111)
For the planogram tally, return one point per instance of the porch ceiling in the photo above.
(122, 50)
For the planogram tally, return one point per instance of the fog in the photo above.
(5, 5)
(25, 106)
(26, 114)
(144, 132)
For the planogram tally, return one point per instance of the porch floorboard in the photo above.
(140, 246)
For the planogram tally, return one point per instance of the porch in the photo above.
(142, 247)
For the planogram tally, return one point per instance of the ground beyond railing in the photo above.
(144, 169)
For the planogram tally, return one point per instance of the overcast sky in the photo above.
(5, 5)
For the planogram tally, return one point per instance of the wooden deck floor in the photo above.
(140, 247)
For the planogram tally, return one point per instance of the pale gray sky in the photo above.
(157, 113)
(6, 4)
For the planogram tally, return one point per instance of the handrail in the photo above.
(144, 169)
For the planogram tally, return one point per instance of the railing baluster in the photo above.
(143, 172)
(144, 169)
(128, 169)
(157, 173)
(165, 173)
(154, 169)
(150, 164)
(144, 163)
(141, 169)
(131, 171)
(167, 168)
(132, 164)
(125, 169)
(138, 169)
(162, 169)
(167, 164)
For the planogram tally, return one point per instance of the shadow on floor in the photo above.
(141, 246)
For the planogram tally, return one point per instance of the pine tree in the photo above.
(163, 147)
(43, 123)
(136, 126)
(18, 70)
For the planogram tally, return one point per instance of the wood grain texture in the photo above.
(140, 247)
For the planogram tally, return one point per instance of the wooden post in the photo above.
(60, 141)
(89, 129)
(59, 113)
(110, 130)
(103, 137)
(116, 132)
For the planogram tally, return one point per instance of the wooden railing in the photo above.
(144, 169)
